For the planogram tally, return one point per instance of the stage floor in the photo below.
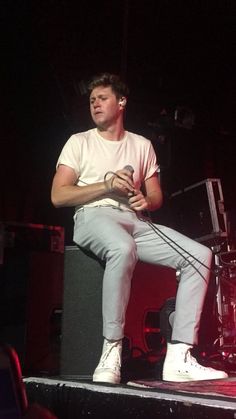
(141, 399)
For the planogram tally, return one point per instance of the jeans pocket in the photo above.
(79, 218)
(79, 221)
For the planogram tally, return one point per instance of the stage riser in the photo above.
(69, 402)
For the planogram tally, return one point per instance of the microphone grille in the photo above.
(129, 167)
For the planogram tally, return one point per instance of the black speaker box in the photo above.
(43, 316)
(81, 318)
(31, 293)
(14, 278)
(82, 338)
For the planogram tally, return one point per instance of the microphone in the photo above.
(131, 170)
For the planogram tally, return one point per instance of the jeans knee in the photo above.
(126, 252)
(205, 254)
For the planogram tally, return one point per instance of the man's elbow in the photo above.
(156, 206)
(160, 202)
(154, 203)
(157, 203)
(56, 202)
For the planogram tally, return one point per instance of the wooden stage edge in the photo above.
(74, 399)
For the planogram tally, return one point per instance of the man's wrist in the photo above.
(109, 184)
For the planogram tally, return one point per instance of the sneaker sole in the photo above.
(106, 378)
(184, 378)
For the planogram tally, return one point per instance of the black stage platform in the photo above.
(147, 399)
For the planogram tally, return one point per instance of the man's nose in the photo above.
(96, 103)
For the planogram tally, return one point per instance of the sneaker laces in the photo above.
(111, 357)
(188, 358)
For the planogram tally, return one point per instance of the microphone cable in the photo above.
(175, 246)
(110, 172)
(166, 238)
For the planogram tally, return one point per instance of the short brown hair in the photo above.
(118, 86)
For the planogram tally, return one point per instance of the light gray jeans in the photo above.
(120, 238)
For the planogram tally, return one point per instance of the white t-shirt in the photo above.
(91, 157)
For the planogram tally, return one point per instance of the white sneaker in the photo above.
(180, 365)
(108, 369)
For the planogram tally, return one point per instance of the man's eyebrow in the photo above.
(99, 96)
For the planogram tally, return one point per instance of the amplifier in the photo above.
(30, 237)
(198, 211)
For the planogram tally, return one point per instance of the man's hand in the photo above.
(138, 202)
(122, 183)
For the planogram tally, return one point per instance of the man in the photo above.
(110, 175)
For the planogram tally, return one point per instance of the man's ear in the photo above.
(122, 102)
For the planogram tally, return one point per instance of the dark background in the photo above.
(178, 59)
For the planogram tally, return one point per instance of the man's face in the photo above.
(104, 107)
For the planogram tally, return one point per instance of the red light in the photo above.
(152, 330)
